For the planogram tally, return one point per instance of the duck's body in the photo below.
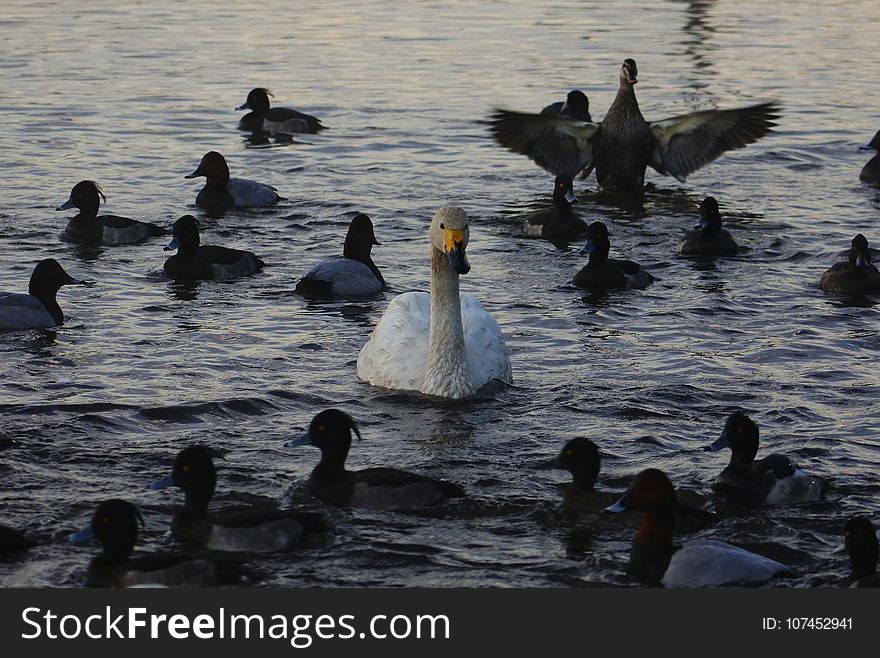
(575, 106)
(380, 488)
(773, 480)
(559, 222)
(114, 524)
(698, 563)
(354, 274)
(871, 171)
(603, 273)
(623, 145)
(863, 550)
(856, 275)
(275, 119)
(195, 262)
(708, 238)
(250, 529)
(221, 191)
(38, 309)
(89, 226)
(12, 541)
(443, 343)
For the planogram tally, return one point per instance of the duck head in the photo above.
(563, 191)
(360, 239)
(580, 457)
(48, 277)
(629, 72)
(449, 235)
(710, 217)
(651, 491)
(213, 167)
(598, 245)
(115, 525)
(861, 545)
(194, 472)
(330, 431)
(741, 435)
(85, 196)
(859, 254)
(257, 100)
(873, 145)
(577, 105)
(184, 234)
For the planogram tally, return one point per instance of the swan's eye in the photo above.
(442, 227)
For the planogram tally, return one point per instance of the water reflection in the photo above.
(185, 291)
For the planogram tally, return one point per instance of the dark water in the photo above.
(132, 96)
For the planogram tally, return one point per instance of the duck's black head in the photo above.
(577, 105)
(331, 431)
(184, 234)
(360, 239)
(257, 100)
(598, 245)
(580, 457)
(193, 472)
(859, 254)
(629, 72)
(651, 491)
(48, 277)
(741, 436)
(85, 195)
(563, 191)
(710, 216)
(115, 525)
(861, 545)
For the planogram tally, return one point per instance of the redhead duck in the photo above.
(221, 191)
(194, 262)
(39, 308)
(115, 525)
(576, 106)
(708, 238)
(857, 275)
(381, 488)
(353, 274)
(559, 222)
(276, 119)
(603, 273)
(698, 563)
(871, 171)
(775, 479)
(623, 144)
(863, 550)
(88, 226)
(252, 529)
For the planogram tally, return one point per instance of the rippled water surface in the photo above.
(132, 95)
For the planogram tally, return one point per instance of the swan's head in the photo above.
(449, 234)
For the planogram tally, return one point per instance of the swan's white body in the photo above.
(708, 563)
(440, 343)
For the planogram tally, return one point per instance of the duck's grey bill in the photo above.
(570, 197)
(616, 508)
(720, 443)
(173, 245)
(243, 106)
(301, 441)
(67, 205)
(588, 248)
(83, 535)
(164, 483)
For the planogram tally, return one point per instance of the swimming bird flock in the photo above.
(443, 344)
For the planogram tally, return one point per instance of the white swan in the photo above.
(440, 344)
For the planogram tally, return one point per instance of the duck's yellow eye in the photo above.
(105, 519)
(185, 468)
(569, 453)
(321, 428)
(739, 429)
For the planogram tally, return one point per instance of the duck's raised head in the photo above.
(629, 72)
(449, 235)
(651, 491)
(213, 167)
(576, 104)
(710, 216)
(185, 233)
(859, 253)
(84, 196)
(861, 545)
(257, 100)
(741, 435)
(360, 238)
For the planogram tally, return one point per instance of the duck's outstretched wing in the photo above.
(559, 144)
(685, 143)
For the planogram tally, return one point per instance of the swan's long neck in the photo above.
(447, 373)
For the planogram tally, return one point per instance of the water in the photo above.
(132, 96)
